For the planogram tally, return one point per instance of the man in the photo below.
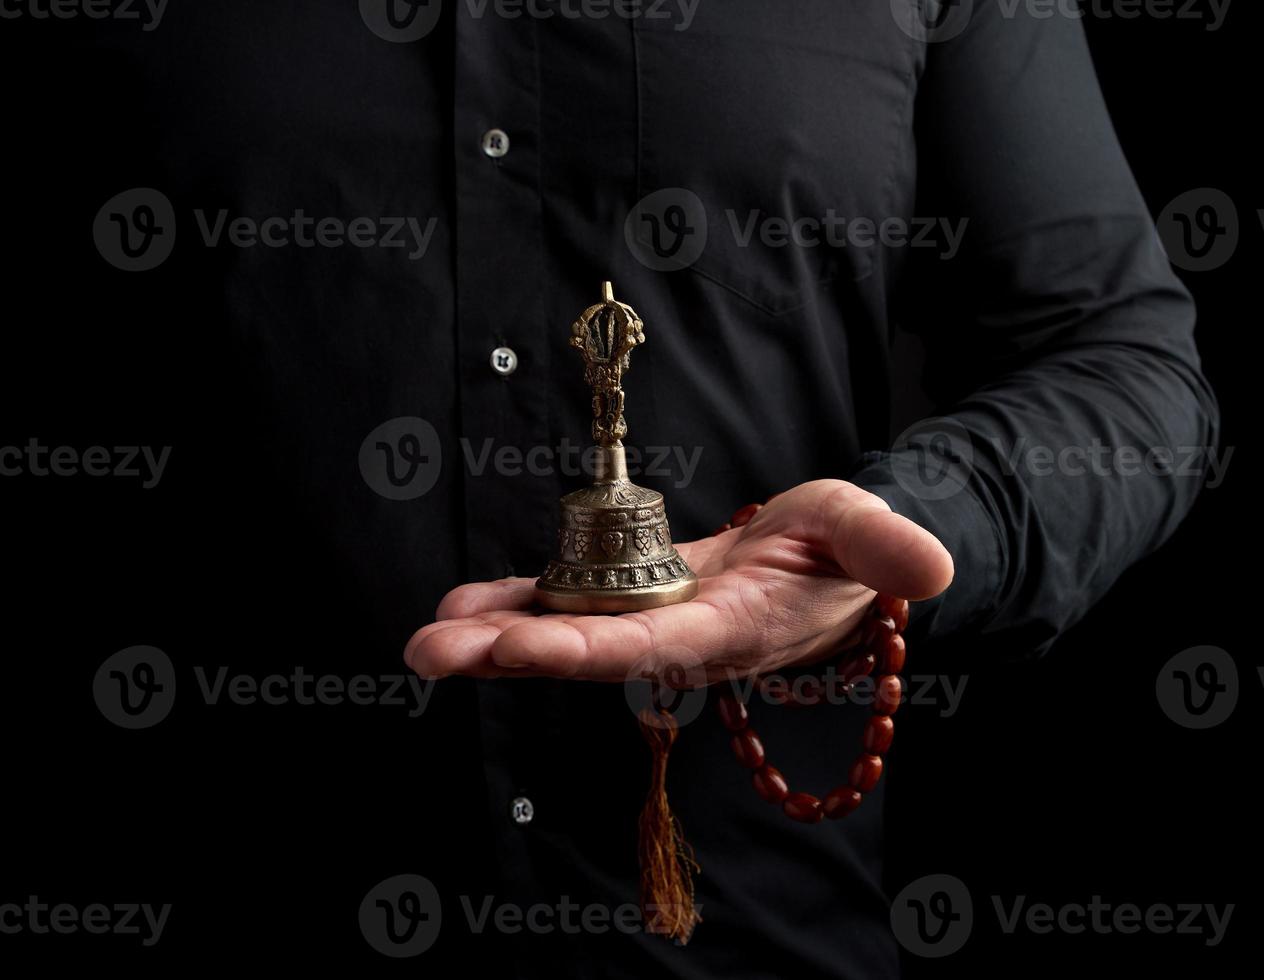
(773, 188)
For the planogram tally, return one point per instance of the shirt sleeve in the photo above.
(1058, 338)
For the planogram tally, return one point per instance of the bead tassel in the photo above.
(667, 861)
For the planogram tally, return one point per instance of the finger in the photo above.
(612, 648)
(882, 549)
(470, 600)
(458, 646)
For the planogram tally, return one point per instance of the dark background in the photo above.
(1059, 780)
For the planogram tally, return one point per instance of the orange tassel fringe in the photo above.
(667, 861)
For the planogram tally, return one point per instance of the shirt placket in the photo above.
(503, 350)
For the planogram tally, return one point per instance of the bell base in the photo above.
(616, 600)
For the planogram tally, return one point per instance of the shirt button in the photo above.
(523, 810)
(495, 143)
(504, 361)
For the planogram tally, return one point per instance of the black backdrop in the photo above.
(1058, 780)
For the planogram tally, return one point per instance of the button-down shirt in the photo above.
(835, 218)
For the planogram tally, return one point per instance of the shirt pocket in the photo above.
(768, 136)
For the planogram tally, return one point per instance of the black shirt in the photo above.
(289, 368)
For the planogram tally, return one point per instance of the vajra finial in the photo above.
(605, 334)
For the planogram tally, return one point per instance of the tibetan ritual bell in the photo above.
(614, 551)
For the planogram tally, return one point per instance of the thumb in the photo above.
(881, 549)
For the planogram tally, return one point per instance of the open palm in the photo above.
(786, 588)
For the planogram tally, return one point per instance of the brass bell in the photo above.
(614, 552)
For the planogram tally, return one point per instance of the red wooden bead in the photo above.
(890, 690)
(896, 609)
(742, 517)
(880, 630)
(733, 713)
(861, 666)
(878, 734)
(893, 655)
(803, 807)
(840, 801)
(865, 772)
(748, 748)
(770, 784)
